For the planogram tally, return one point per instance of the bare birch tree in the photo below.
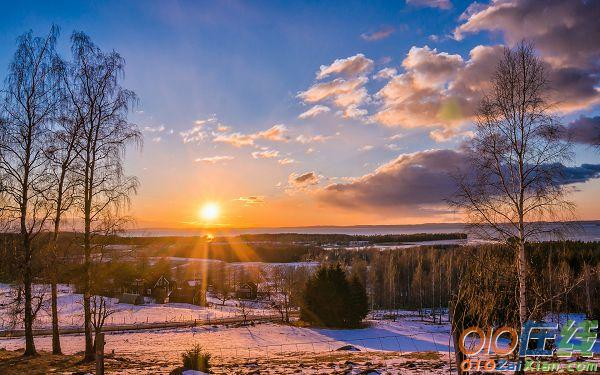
(101, 308)
(29, 104)
(62, 156)
(104, 105)
(513, 183)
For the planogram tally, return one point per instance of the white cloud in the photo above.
(301, 181)
(393, 147)
(351, 66)
(253, 200)
(386, 73)
(314, 111)
(441, 4)
(286, 161)
(214, 159)
(378, 35)
(447, 134)
(211, 120)
(347, 94)
(352, 111)
(267, 154)
(276, 133)
(155, 129)
(332, 89)
(304, 139)
(193, 135)
(234, 139)
(436, 89)
(431, 68)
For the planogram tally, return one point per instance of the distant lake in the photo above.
(583, 230)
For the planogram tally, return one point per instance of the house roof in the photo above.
(162, 281)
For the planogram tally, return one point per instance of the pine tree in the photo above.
(331, 300)
(359, 303)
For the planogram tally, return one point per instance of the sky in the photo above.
(321, 113)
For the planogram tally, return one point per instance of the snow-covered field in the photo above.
(70, 310)
(262, 341)
(161, 349)
(267, 345)
(277, 348)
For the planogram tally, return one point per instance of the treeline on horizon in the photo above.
(269, 248)
(563, 278)
(294, 238)
(345, 239)
(563, 275)
(230, 253)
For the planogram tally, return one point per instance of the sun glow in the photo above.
(210, 211)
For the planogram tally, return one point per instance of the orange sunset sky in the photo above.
(321, 113)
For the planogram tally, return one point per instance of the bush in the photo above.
(331, 300)
(196, 359)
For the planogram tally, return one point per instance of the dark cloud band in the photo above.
(420, 181)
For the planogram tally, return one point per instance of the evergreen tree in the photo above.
(331, 300)
(358, 301)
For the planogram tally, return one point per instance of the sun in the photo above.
(209, 211)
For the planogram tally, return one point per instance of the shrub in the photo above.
(196, 359)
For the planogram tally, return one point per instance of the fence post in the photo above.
(100, 353)
(399, 347)
(383, 352)
(435, 343)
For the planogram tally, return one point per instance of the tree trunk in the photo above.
(456, 330)
(28, 318)
(28, 321)
(458, 355)
(54, 296)
(588, 298)
(87, 315)
(522, 272)
(55, 333)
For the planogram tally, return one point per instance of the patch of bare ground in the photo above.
(338, 363)
(13, 362)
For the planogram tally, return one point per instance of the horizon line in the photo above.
(334, 226)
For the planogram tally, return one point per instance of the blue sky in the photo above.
(244, 62)
(241, 65)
